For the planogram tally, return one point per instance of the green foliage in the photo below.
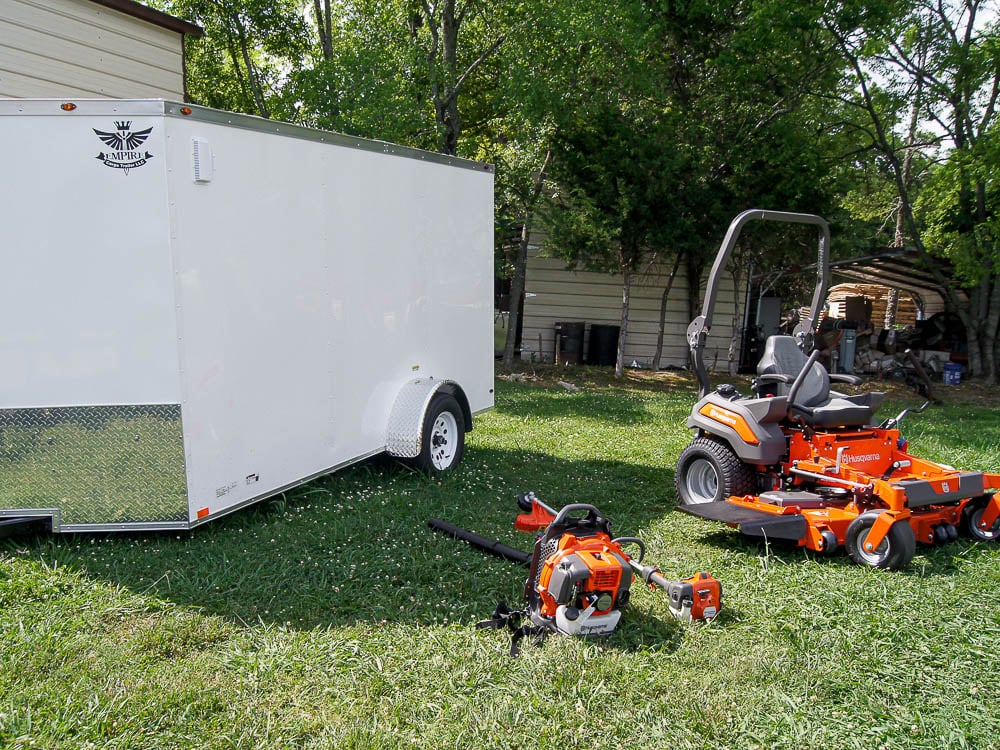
(373, 85)
(719, 110)
(971, 244)
(241, 62)
(923, 90)
(617, 171)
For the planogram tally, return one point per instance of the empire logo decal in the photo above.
(125, 143)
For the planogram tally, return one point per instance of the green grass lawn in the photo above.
(332, 617)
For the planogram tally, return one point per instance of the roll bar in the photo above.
(700, 327)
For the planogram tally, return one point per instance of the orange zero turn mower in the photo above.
(800, 462)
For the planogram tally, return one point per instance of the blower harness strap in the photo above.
(503, 617)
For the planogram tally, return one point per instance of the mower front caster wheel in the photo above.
(972, 515)
(708, 470)
(830, 544)
(895, 551)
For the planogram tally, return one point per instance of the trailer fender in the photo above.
(405, 429)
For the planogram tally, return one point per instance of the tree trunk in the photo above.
(891, 308)
(695, 265)
(663, 312)
(253, 78)
(448, 106)
(516, 292)
(736, 328)
(324, 27)
(521, 261)
(623, 332)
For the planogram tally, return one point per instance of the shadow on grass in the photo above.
(929, 559)
(355, 547)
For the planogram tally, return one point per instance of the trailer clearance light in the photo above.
(185, 110)
(67, 106)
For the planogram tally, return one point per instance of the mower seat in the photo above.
(815, 403)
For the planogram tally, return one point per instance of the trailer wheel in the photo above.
(895, 551)
(708, 470)
(442, 441)
(971, 514)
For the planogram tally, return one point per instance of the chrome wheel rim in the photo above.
(984, 535)
(875, 556)
(444, 440)
(701, 482)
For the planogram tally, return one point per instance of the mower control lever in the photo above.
(892, 422)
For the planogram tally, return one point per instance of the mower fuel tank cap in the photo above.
(728, 390)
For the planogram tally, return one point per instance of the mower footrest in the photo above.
(920, 492)
(757, 523)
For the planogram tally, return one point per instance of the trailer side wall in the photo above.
(314, 280)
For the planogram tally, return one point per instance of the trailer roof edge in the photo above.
(163, 107)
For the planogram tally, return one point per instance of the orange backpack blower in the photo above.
(579, 576)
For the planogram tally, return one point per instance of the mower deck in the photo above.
(755, 523)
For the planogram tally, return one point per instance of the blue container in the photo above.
(952, 373)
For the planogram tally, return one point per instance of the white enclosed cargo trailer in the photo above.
(200, 309)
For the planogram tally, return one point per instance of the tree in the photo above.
(240, 63)
(546, 72)
(724, 93)
(946, 54)
(614, 171)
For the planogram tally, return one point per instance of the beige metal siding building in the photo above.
(554, 294)
(90, 49)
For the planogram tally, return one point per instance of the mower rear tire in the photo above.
(708, 470)
(972, 513)
(895, 551)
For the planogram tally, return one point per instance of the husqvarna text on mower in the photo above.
(798, 461)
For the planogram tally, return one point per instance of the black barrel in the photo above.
(569, 343)
(603, 344)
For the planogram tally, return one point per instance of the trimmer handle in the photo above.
(650, 574)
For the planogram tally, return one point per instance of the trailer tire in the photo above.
(895, 551)
(708, 470)
(442, 438)
(971, 513)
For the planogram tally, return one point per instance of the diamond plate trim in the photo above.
(405, 429)
(94, 464)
